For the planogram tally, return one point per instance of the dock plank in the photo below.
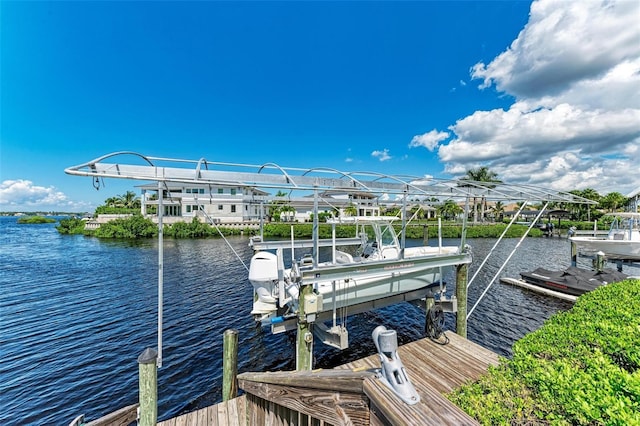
(229, 413)
(434, 370)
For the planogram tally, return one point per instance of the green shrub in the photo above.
(135, 226)
(581, 368)
(71, 225)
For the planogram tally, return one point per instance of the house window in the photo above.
(220, 190)
(233, 208)
(201, 191)
(233, 191)
(172, 211)
(188, 208)
(220, 207)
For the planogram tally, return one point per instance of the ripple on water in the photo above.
(76, 312)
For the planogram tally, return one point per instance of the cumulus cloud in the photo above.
(381, 155)
(565, 43)
(23, 195)
(574, 72)
(429, 140)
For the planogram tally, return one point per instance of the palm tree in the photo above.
(130, 200)
(613, 201)
(498, 210)
(351, 210)
(481, 176)
(113, 202)
(449, 209)
(278, 207)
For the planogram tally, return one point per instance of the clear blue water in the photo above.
(76, 312)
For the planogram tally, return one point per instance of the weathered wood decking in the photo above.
(352, 394)
(433, 370)
(228, 413)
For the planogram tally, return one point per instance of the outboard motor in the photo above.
(393, 373)
(263, 275)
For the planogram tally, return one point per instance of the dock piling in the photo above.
(230, 365)
(429, 303)
(304, 340)
(599, 262)
(461, 295)
(148, 387)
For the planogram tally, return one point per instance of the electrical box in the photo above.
(312, 304)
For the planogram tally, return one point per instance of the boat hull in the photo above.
(612, 249)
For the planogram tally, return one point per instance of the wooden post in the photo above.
(230, 365)
(574, 254)
(304, 342)
(429, 302)
(148, 387)
(461, 295)
(425, 235)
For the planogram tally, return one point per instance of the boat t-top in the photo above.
(622, 242)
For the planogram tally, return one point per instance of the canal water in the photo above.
(76, 312)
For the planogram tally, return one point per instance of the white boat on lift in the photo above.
(379, 268)
(621, 243)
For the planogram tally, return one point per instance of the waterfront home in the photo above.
(220, 203)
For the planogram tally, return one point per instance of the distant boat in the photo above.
(621, 243)
(377, 268)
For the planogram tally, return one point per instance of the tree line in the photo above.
(480, 209)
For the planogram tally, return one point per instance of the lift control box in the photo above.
(312, 304)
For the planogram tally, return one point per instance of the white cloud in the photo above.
(381, 155)
(23, 195)
(574, 71)
(564, 43)
(429, 140)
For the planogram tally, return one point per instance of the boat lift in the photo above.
(315, 181)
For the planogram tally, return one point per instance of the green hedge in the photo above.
(582, 367)
(137, 226)
(134, 226)
(197, 229)
(304, 230)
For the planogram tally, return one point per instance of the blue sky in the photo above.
(544, 92)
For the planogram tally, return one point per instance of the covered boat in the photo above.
(573, 281)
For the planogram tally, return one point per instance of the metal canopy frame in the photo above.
(317, 180)
(327, 180)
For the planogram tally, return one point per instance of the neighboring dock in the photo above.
(352, 393)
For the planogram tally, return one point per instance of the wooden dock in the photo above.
(352, 393)
(228, 413)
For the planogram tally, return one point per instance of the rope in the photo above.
(435, 324)
(213, 223)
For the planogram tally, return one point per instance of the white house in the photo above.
(218, 203)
